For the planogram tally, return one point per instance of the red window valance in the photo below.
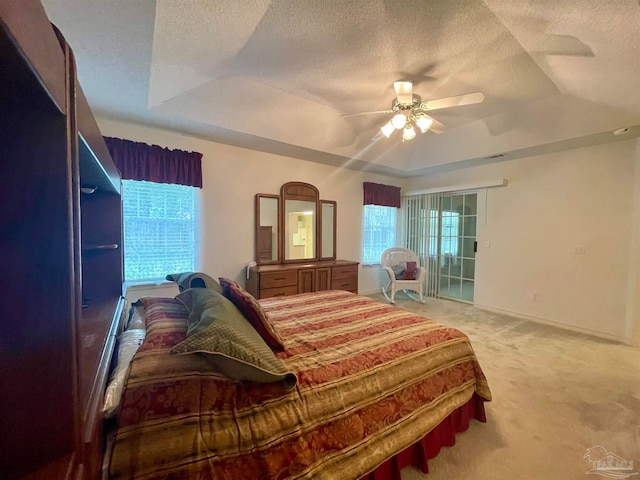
(379, 194)
(152, 163)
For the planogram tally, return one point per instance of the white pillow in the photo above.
(136, 318)
(130, 340)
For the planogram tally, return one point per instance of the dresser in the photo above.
(289, 279)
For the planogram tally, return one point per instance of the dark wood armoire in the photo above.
(60, 256)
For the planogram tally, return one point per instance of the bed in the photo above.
(375, 388)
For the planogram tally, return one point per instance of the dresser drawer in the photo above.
(279, 291)
(278, 279)
(344, 272)
(350, 284)
(290, 279)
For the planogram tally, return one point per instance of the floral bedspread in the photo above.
(372, 380)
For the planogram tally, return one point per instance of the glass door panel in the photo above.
(457, 240)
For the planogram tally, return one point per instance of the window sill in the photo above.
(140, 284)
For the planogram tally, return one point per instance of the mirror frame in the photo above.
(295, 191)
(276, 245)
(304, 192)
(321, 223)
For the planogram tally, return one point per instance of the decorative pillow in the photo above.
(186, 280)
(162, 313)
(197, 300)
(410, 272)
(398, 271)
(228, 339)
(253, 312)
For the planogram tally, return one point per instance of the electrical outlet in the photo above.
(579, 250)
(535, 297)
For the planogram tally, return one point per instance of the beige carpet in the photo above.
(556, 394)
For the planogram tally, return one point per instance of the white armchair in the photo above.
(394, 261)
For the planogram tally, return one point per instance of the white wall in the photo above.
(633, 291)
(553, 203)
(231, 178)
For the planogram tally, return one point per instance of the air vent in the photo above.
(497, 155)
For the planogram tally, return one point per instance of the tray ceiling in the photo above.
(277, 75)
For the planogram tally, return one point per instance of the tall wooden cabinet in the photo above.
(60, 256)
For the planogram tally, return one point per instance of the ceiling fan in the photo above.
(410, 111)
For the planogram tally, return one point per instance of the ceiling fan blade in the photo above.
(457, 101)
(365, 113)
(404, 92)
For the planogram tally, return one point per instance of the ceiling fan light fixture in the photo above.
(399, 120)
(410, 111)
(408, 133)
(387, 129)
(424, 123)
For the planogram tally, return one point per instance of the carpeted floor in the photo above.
(556, 394)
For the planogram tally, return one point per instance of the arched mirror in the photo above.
(267, 228)
(327, 230)
(294, 226)
(299, 221)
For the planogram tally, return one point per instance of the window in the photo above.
(160, 229)
(379, 232)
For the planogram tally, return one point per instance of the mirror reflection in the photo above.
(299, 230)
(267, 229)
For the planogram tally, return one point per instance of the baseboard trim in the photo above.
(371, 292)
(545, 321)
(554, 323)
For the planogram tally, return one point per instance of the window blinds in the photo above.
(160, 229)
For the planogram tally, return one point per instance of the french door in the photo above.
(455, 228)
(441, 229)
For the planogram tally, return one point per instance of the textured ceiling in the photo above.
(276, 75)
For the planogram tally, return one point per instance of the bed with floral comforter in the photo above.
(372, 381)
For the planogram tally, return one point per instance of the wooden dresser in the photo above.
(288, 279)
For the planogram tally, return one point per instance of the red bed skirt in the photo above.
(443, 435)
